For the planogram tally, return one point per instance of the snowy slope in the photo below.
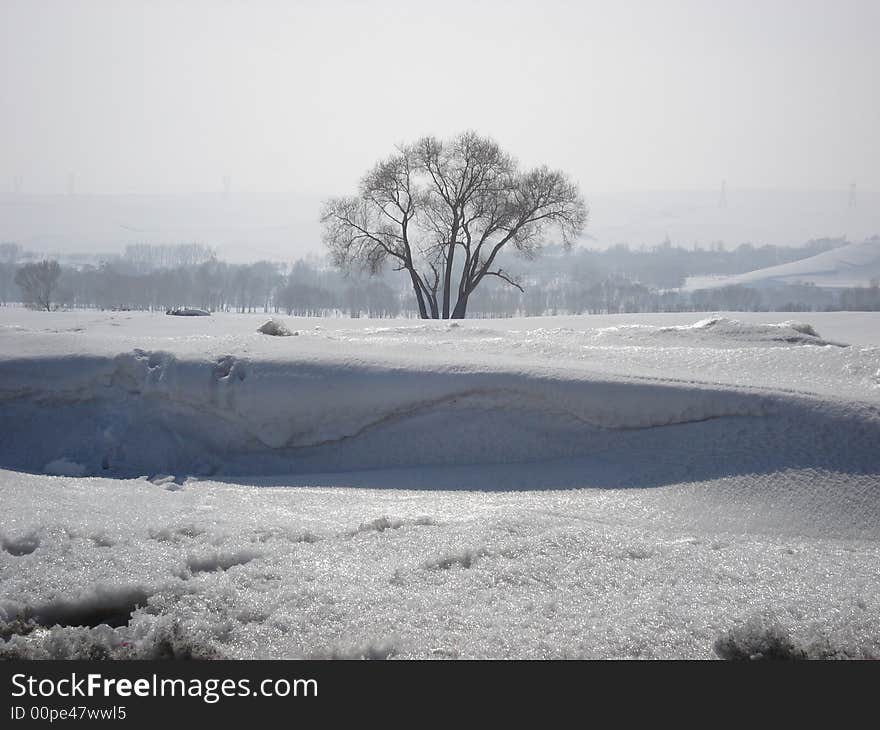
(602, 487)
(857, 264)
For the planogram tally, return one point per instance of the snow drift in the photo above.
(149, 412)
(185, 410)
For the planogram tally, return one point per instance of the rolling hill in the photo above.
(856, 264)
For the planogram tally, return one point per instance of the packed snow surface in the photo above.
(636, 485)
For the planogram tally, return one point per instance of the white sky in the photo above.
(168, 97)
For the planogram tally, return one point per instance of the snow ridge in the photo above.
(149, 412)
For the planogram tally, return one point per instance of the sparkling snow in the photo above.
(627, 486)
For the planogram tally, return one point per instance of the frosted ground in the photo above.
(627, 486)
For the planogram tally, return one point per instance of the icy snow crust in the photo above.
(586, 486)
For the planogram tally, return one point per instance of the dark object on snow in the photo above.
(185, 312)
(758, 639)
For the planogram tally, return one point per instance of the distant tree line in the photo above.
(580, 281)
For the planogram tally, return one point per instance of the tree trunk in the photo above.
(423, 313)
(460, 307)
(447, 280)
(435, 312)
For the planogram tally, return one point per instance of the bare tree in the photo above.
(442, 211)
(10, 252)
(38, 282)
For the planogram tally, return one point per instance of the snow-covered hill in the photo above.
(624, 486)
(856, 264)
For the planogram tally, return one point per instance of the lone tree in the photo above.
(38, 281)
(442, 210)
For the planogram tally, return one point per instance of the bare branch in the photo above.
(501, 275)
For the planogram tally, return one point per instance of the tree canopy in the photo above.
(442, 211)
(38, 281)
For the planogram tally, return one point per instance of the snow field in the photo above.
(315, 572)
(640, 488)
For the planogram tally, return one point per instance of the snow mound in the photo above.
(789, 332)
(720, 332)
(187, 312)
(276, 328)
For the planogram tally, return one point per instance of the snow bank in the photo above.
(789, 332)
(723, 332)
(428, 394)
(149, 412)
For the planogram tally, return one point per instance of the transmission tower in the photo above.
(852, 195)
(722, 200)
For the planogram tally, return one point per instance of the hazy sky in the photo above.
(164, 97)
